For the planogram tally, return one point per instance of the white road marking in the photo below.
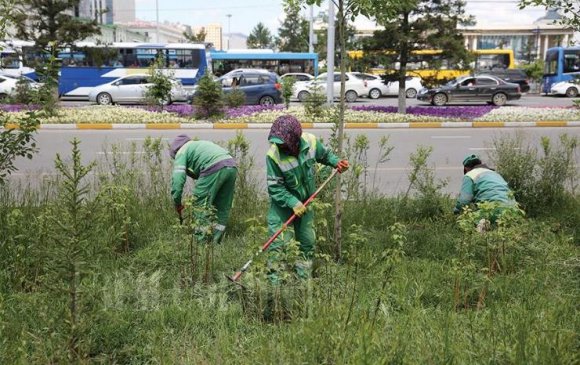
(482, 148)
(450, 137)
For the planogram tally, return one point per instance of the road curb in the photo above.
(361, 125)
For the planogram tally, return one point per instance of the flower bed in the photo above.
(524, 114)
(267, 114)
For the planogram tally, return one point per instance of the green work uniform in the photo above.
(292, 180)
(216, 179)
(484, 185)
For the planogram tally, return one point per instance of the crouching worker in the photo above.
(290, 168)
(482, 184)
(215, 171)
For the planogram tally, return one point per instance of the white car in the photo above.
(569, 89)
(8, 84)
(131, 90)
(298, 76)
(355, 87)
(377, 87)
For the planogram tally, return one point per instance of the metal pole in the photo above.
(229, 29)
(157, 20)
(311, 31)
(330, 55)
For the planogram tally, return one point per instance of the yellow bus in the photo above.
(431, 64)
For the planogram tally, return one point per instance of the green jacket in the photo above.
(291, 179)
(482, 184)
(191, 160)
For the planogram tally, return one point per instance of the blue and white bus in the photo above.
(278, 62)
(87, 64)
(562, 64)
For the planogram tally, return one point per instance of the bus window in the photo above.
(551, 66)
(571, 61)
(10, 60)
(491, 61)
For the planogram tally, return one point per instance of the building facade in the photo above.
(107, 11)
(162, 33)
(528, 42)
(213, 34)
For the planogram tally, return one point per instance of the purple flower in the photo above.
(250, 109)
(461, 112)
(18, 107)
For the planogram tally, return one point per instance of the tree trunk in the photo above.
(340, 134)
(404, 57)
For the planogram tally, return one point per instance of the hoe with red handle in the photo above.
(234, 278)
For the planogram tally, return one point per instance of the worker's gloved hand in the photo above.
(179, 208)
(299, 209)
(342, 166)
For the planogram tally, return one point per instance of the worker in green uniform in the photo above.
(482, 184)
(290, 169)
(215, 171)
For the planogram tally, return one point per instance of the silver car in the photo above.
(131, 90)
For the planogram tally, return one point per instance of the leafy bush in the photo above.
(235, 98)
(208, 99)
(541, 181)
(159, 92)
(314, 103)
(288, 89)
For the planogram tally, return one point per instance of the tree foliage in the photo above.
(51, 22)
(570, 9)
(208, 99)
(412, 25)
(198, 37)
(159, 92)
(260, 37)
(293, 32)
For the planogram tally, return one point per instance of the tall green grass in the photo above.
(412, 287)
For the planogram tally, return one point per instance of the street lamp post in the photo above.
(229, 29)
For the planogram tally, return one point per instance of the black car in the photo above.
(490, 89)
(515, 76)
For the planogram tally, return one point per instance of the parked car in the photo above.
(379, 87)
(8, 84)
(355, 87)
(298, 76)
(131, 90)
(490, 89)
(260, 87)
(515, 76)
(566, 88)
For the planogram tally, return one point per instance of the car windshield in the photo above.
(453, 82)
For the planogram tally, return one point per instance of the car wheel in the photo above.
(104, 99)
(375, 94)
(351, 96)
(572, 92)
(303, 95)
(266, 100)
(499, 99)
(439, 99)
(3, 96)
(411, 93)
(168, 101)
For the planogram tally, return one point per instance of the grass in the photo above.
(391, 300)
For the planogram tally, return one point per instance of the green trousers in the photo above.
(216, 190)
(303, 233)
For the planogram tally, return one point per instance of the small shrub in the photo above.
(235, 98)
(23, 94)
(541, 181)
(208, 99)
(314, 104)
(159, 92)
(287, 90)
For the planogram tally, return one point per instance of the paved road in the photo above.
(532, 100)
(449, 148)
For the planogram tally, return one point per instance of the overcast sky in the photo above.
(247, 13)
